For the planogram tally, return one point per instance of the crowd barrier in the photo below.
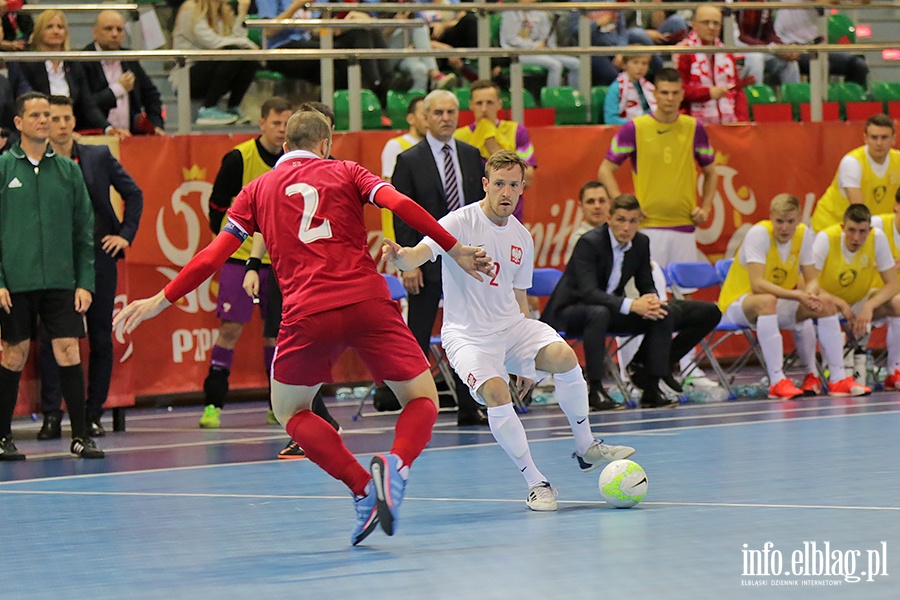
(170, 354)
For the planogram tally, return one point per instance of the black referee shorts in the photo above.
(56, 309)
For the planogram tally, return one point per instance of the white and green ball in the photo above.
(623, 483)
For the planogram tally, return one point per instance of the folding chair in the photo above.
(543, 282)
(702, 275)
(398, 293)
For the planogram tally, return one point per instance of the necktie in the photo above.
(451, 190)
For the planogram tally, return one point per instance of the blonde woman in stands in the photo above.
(51, 34)
(213, 25)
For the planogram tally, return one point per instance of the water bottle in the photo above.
(872, 373)
(344, 393)
(859, 367)
(361, 391)
(706, 395)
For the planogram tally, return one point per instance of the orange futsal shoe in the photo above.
(892, 381)
(812, 386)
(847, 387)
(784, 390)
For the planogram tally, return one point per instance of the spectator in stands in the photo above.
(489, 134)
(16, 26)
(51, 34)
(712, 90)
(530, 29)
(756, 27)
(867, 175)
(122, 89)
(630, 95)
(375, 73)
(801, 26)
(111, 237)
(455, 30)
(212, 25)
(422, 71)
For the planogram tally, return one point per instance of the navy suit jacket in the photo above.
(144, 97)
(588, 271)
(417, 176)
(101, 170)
(32, 77)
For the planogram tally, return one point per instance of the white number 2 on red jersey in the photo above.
(310, 195)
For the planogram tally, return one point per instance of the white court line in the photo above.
(439, 499)
(675, 429)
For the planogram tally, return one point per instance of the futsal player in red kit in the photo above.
(310, 212)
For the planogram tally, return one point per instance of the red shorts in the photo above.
(306, 351)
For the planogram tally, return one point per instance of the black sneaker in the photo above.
(8, 450)
(86, 448)
(51, 429)
(292, 451)
(96, 429)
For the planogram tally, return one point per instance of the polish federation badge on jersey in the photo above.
(470, 381)
(515, 255)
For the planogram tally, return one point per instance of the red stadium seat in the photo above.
(831, 111)
(773, 113)
(860, 111)
(894, 109)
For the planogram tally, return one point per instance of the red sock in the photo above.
(324, 446)
(413, 431)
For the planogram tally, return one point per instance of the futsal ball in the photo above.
(623, 483)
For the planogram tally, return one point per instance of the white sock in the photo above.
(893, 344)
(572, 396)
(509, 433)
(769, 337)
(805, 342)
(832, 343)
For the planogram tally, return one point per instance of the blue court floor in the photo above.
(747, 499)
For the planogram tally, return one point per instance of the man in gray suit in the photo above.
(441, 174)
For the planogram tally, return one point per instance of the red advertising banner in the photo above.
(171, 353)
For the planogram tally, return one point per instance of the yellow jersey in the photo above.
(254, 166)
(878, 192)
(849, 281)
(783, 273)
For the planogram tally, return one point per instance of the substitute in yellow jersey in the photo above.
(867, 175)
(890, 224)
(415, 118)
(763, 290)
(854, 266)
(234, 307)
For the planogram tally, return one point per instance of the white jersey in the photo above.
(756, 244)
(477, 307)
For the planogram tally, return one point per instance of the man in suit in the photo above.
(111, 238)
(590, 301)
(121, 89)
(422, 174)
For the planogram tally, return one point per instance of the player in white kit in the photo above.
(487, 333)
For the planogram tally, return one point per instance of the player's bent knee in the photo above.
(495, 392)
(288, 400)
(557, 357)
(15, 356)
(420, 386)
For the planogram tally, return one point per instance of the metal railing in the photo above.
(818, 64)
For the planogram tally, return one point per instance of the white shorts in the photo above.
(513, 350)
(669, 246)
(785, 309)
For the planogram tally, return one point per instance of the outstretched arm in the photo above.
(199, 269)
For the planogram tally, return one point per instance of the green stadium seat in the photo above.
(885, 92)
(371, 110)
(463, 95)
(795, 94)
(598, 96)
(254, 34)
(527, 99)
(571, 109)
(842, 93)
(759, 94)
(397, 103)
(841, 29)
